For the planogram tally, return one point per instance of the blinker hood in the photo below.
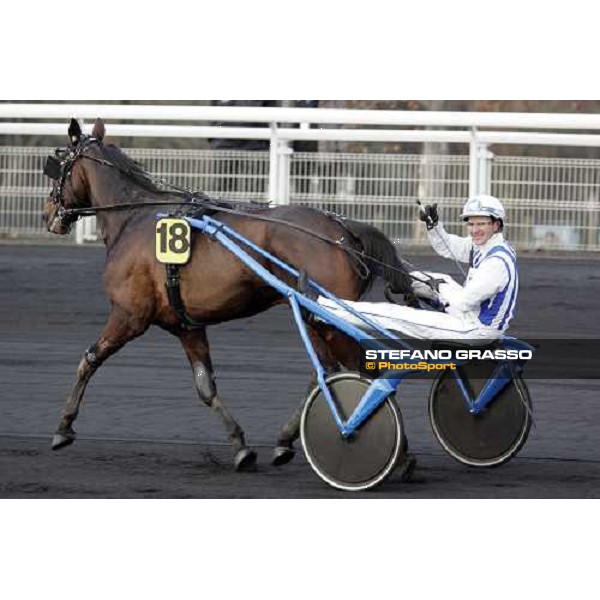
(53, 167)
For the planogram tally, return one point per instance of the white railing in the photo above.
(328, 116)
(552, 202)
(280, 133)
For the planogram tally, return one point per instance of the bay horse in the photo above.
(215, 285)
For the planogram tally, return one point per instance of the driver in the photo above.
(480, 309)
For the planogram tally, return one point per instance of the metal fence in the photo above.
(381, 189)
(22, 189)
(227, 174)
(551, 203)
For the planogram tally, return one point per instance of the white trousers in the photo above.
(415, 323)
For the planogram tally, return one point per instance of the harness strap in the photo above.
(175, 299)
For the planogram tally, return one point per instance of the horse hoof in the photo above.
(282, 455)
(406, 467)
(244, 459)
(62, 440)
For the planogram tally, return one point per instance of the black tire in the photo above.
(489, 438)
(366, 458)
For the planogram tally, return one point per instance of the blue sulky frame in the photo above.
(382, 387)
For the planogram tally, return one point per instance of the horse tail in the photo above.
(381, 259)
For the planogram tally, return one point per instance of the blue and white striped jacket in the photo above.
(492, 286)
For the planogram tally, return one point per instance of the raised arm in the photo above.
(445, 244)
(449, 245)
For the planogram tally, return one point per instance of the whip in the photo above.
(430, 222)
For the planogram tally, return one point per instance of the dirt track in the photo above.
(143, 433)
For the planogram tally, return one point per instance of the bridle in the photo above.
(59, 167)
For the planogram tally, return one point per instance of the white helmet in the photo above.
(483, 206)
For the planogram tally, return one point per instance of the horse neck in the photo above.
(113, 189)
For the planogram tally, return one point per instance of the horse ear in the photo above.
(74, 131)
(99, 129)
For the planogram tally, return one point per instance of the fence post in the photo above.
(279, 168)
(273, 164)
(593, 206)
(480, 166)
(473, 164)
(283, 164)
(80, 231)
(485, 159)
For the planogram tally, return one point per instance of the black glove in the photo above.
(429, 215)
(434, 284)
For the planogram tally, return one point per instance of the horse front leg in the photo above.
(119, 329)
(284, 450)
(195, 344)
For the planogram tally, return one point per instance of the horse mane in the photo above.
(137, 174)
(133, 170)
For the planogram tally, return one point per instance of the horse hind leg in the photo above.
(334, 350)
(284, 450)
(119, 330)
(195, 345)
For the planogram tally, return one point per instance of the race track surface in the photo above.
(143, 433)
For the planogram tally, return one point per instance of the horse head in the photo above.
(70, 178)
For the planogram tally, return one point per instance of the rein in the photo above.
(205, 202)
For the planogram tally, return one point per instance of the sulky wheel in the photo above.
(362, 460)
(489, 438)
